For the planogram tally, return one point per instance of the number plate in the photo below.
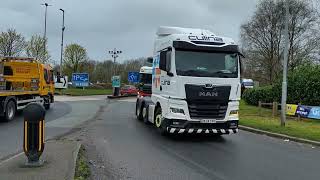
(208, 121)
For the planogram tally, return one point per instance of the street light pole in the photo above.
(114, 54)
(285, 67)
(61, 54)
(45, 26)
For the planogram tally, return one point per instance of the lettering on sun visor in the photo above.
(205, 38)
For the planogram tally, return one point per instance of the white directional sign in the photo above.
(61, 83)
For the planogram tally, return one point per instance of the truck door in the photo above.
(166, 72)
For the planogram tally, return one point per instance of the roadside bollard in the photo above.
(33, 145)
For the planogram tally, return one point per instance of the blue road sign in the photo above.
(133, 77)
(80, 79)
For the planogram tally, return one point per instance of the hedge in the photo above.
(303, 87)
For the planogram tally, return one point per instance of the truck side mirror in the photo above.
(241, 56)
(163, 60)
(150, 60)
(170, 74)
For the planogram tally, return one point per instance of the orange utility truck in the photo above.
(24, 81)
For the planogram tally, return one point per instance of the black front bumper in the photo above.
(189, 127)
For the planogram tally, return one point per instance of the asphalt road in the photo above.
(120, 147)
(66, 114)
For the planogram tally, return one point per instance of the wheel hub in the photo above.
(10, 112)
(158, 120)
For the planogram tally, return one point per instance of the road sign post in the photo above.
(80, 79)
(33, 144)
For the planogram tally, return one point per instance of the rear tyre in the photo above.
(47, 106)
(46, 103)
(138, 112)
(10, 112)
(145, 114)
(159, 123)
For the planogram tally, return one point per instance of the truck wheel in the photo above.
(145, 114)
(46, 106)
(158, 122)
(10, 111)
(138, 112)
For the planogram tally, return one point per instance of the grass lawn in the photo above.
(85, 92)
(305, 128)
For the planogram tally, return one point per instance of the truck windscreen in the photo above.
(146, 78)
(206, 64)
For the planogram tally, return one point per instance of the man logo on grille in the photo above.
(208, 94)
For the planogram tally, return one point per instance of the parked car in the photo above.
(247, 83)
(128, 90)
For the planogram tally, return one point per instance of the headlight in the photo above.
(176, 110)
(234, 113)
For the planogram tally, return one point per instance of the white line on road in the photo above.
(128, 100)
(11, 158)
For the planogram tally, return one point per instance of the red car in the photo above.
(128, 90)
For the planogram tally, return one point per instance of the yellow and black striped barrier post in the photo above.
(33, 145)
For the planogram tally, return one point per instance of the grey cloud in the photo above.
(129, 25)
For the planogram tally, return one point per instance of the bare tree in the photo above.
(11, 43)
(74, 56)
(262, 37)
(35, 48)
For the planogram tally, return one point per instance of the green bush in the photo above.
(303, 87)
(264, 94)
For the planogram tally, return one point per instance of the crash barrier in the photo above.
(312, 112)
(33, 145)
(274, 106)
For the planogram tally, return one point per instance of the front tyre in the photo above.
(10, 111)
(159, 123)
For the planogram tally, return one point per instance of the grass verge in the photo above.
(82, 167)
(83, 92)
(305, 128)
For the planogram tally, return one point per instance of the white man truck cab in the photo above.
(195, 83)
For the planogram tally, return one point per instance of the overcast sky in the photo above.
(130, 25)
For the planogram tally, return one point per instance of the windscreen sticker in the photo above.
(156, 72)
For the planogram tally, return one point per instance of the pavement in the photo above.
(59, 163)
(120, 147)
(66, 114)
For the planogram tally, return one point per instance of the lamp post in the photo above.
(285, 67)
(45, 26)
(114, 54)
(63, 28)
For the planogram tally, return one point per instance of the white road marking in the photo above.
(199, 130)
(222, 131)
(128, 100)
(207, 131)
(190, 131)
(13, 157)
(79, 98)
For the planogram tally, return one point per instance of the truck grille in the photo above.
(207, 102)
(205, 109)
